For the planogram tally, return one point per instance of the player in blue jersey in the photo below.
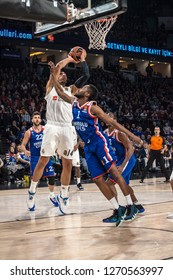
(125, 162)
(100, 156)
(33, 137)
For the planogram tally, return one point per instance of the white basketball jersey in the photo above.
(57, 110)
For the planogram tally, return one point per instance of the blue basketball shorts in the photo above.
(99, 156)
(48, 170)
(127, 170)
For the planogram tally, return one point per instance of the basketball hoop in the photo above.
(97, 31)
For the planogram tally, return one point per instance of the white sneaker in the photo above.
(54, 200)
(170, 216)
(64, 204)
(31, 201)
(60, 204)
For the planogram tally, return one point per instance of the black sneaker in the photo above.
(121, 214)
(117, 216)
(131, 212)
(80, 187)
(113, 218)
(140, 208)
(141, 181)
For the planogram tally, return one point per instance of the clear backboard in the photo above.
(81, 12)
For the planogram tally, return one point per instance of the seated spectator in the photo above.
(3, 172)
(167, 157)
(12, 166)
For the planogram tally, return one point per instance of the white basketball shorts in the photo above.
(57, 138)
(76, 159)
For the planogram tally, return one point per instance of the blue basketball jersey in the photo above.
(117, 146)
(120, 152)
(12, 159)
(23, 156)
(87, 126)
(35, 147)
(35, 141)
(99, 155)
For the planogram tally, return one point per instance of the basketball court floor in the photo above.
(47, 235)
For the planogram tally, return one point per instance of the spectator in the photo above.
(149, 70)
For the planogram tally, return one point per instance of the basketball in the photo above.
(76, 52)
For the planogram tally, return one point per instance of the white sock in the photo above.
(64, 191)
(33, 187)
(128, 199)
(136, 202)
(78, 181)
(52, 194)
(114, 203)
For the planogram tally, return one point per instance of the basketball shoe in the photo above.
(118, 214)
(131, 212)
(64, 204)
(80, 187)
(140, 208)
(54, 200)
(31, 201)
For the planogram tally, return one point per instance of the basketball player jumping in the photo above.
(58, 133)
(99, 155)
(33, 137)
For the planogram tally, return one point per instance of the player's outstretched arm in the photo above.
(85, 74)
(61, 64)
(128, 146)
(60, 91)
(97, 111)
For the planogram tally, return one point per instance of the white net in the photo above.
(97, 31)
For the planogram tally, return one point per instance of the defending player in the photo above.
(126, 160)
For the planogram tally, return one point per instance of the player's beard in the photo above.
(78, 95)
(36, 124)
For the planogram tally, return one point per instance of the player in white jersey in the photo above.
(58, 132)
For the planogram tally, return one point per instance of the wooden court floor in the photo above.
(81, 235)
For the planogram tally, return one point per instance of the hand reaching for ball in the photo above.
(78, 54)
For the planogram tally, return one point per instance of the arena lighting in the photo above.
(36, 53)
(50, 38)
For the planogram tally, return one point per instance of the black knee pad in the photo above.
(51, 180)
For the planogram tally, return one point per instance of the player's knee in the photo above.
(116, 175)
(98, 180)
(43, 161)
(67, 164)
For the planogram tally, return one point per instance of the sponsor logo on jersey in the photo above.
(55, 97)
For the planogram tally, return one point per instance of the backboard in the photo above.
(82, 12)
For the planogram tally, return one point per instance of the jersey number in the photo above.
(78, 114)
(39, 137)
(105, 160)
